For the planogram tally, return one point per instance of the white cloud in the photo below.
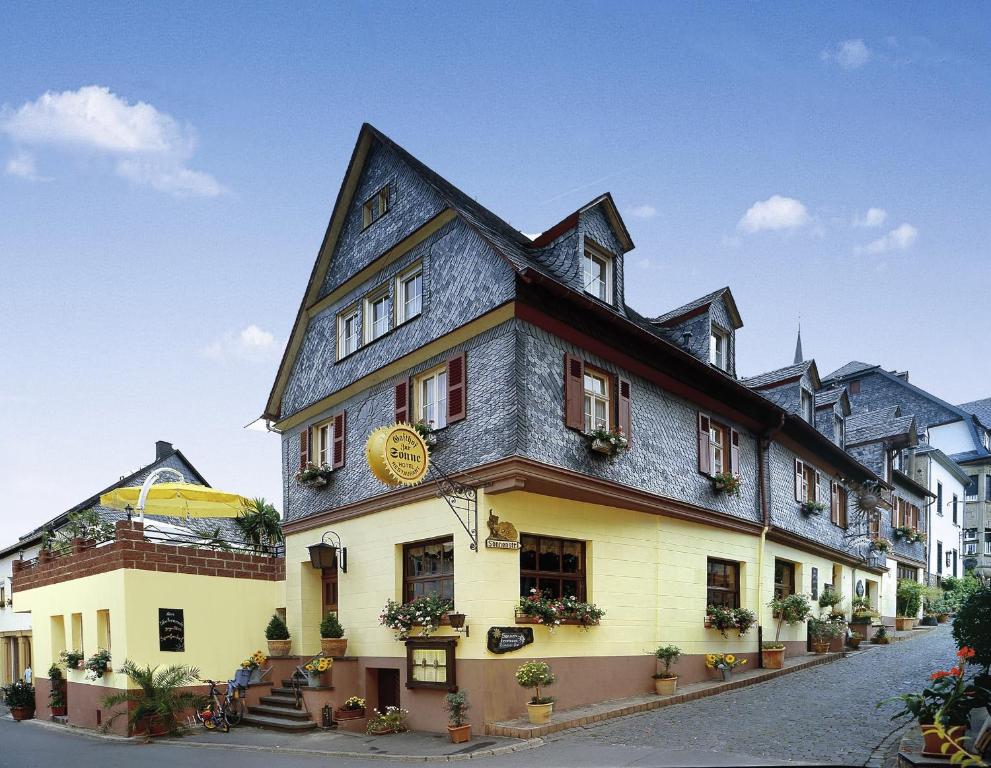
(643, 211)
(251, 343)
(151, 147)
(22, 165)
(775, 213)
(899, 239)
(849, 54)
(875, 217)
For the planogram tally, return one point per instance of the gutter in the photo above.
(763, 443)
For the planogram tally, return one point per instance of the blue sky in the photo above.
(161, 208)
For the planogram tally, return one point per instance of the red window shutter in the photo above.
(574, 392)
(799, 469)
(456, 400)
(402, 402)
(624, 408)
(339, 434)
(734, 452)
(705, 458)
(304, 448)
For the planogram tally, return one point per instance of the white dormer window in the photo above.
(719, 349)
(597, 274)
(807, 409)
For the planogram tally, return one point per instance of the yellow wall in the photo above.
(647, 572)
(225, 619)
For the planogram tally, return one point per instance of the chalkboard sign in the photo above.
(171, 630)
(815, 583)
(506, 639)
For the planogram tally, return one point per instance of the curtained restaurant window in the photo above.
(554, 567)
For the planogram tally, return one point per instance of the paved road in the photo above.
(825, 714)
(822, 714)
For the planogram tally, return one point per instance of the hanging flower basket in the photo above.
(607, 442)
(812, 507)
(727, 483)
(426, 431)
(313, 476)
(881, 545)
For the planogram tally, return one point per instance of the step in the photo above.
(278, 723)
(282, 702)
(278, 711)
(283, 691)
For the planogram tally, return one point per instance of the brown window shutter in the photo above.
(304, 448)
(834, 504)
(894, 513)
(734, 452)
(574, 392)
(623, 422)
(799, 468)
(340, 427)
(815, 492)
(402, 402)
(456, 400)
(705, 459)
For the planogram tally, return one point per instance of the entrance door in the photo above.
(388, 688)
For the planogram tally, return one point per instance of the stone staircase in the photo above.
(278, 711)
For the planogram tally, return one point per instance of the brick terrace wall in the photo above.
(130, 550)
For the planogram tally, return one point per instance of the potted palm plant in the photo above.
(792, 609)
(19, 698)
(160, 696)
(332, 640)
(277, 635)
(534, 674)
(458, 727)
(260, 525)
(56, 696)
(665, 683)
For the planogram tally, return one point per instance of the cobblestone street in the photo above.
(824, 714)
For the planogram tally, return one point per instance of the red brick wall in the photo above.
(130, 550)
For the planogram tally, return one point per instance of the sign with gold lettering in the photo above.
(397, 455)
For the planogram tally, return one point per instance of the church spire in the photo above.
(798, 346)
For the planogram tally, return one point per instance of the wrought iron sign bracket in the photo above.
(461, 498)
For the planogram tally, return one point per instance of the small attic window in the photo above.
(597, 273)
(807, 408)
(375, 207)
(719, 348)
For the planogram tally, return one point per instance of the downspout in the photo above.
(763, 444)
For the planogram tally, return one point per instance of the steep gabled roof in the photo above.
(851, 368)
(570, 221)
(783, 376)
(981, 409)
(882, 424)
(826, 398)
(699, 305)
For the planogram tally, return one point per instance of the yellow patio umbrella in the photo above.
(176, 500)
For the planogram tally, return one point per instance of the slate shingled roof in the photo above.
(872, 426)
(981, 409)
(699, 303)
(832, 396)
(779, 375)
(854, 366)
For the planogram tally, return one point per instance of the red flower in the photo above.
(940, 675)
(965, 653)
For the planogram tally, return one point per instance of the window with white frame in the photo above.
(970, 534)
(323, 443)
(348, 332)
(430, 393)
(719, 348)
(597, 274)
(596, 400)
(376, 315)
(409, 294)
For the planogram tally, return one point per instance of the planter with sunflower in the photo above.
(315, 670)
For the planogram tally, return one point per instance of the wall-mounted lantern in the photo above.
(324, 555)
(458, 623)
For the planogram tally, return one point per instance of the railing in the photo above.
(213, 543)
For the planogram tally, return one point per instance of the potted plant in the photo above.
(551, 612)
(791, 609)
(862, 615)
(314, 476)
(253, 666)
(71, 659)
(608, 442)
(458, 727)
(332, 640)
(725, 663)
(277, 635)
(881, 636)
(393, 720)
(19, 698)
(97, 665)
(854, 639)
(723, 618)
(56, 696)
(908, 601)
(726, 483)
(534, 674)
(315, 669)
(426, 612)
(665, 683)
(881, 545)
(160, 697)
(821, 632)
(943, 708)
(812, 507)
(425, 430)
(352, 709)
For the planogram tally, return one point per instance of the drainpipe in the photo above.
(763, 444)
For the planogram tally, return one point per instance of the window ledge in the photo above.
(564, 622)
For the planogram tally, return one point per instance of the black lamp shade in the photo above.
(322, 555)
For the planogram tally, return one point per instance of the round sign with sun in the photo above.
(397, 455)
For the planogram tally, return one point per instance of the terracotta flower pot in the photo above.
(942, 618)
(459, 733)
(349, 714)
(279, 647)
(933, 742)
(153, 727)
(854, 642)
(335, 647)
(22, 713)
(773, 658)
(665, 686)
(58, 711)
(819, 647)
(904, 623)
(539, 714)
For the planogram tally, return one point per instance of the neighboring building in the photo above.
(961, 433)
(946, 480)
(425, 306)
(15, 628)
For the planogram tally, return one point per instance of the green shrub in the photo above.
(792, 609)
(331, 626)
(667, 655)
(972, 626)
(908, 598)
(276, 629)
(534, 674)
(457, 708)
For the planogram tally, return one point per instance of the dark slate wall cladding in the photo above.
(450, 256)
(594, 225)
(825, 421)
(786, 396)
(698, 345)
(486, 434)
(915, 550)
(871, 456)
(411, 204)
(663, 457)
(560, 258)
(878, 391)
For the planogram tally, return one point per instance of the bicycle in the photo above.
(222, 710)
